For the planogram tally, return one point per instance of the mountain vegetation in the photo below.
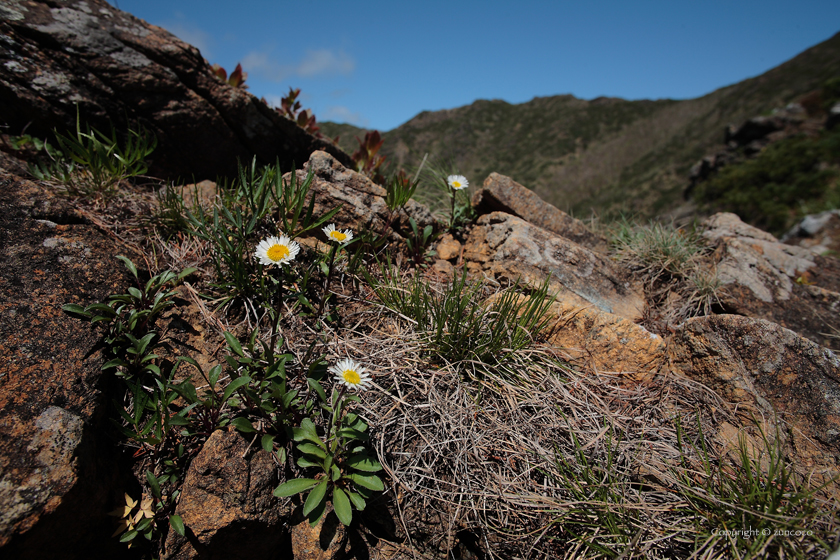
(605, 155)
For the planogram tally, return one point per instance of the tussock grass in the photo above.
(454, 320)
(680, 279)
(656, 248)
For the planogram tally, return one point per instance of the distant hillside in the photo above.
(607, 154)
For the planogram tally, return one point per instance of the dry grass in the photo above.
(536, 458)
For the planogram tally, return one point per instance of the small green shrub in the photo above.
(244, 215)
(130, 338)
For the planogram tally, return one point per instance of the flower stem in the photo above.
(335, 411)
(327, 281)
(452, 210)
(275, 327)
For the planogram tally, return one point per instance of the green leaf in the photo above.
(234, 344)
(137, 294)
(307, 432)
(234, 385)
(357, 501)
(144, 524)
(294, 486)
(287, 399)
(129, 265)
(186, 272)
(177, 420)
(113, 363)
(312, 449)
(304, 463)
(370, 482)
(214, 374)
(143, 343)
(153, 484)
(186, 390)
(129, 536)
(101, 308)
(341, 505)
(243, 425)
(315, 497)
(352, 434)
(315, 386)
(177, 524)
(76, 310)
(362, 462)
(267, 442)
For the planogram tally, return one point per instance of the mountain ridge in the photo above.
(606, 155)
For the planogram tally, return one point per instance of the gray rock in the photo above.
(764, 278)
(362, 201)
(58, 473)
(503, 194)
(509, 247)
(57, 56)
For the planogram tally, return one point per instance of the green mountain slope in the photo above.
(605, 155)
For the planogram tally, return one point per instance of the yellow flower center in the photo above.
(278, 252)
(338, 236)
(350, 376)
(456, 184)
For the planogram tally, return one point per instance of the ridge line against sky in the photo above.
(378, 64)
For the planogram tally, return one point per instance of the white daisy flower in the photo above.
(277, 250)
(335, 235)
(351, 374)
(458, 182)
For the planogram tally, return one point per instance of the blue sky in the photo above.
(377, 64)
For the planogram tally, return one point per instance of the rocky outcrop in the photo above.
(57, 56)
(750, 137)
(57, 469)
(820, 233)
(508, 247)
(362, 201)
(503, 194)
(604, 341)
(227, 504)
(766, 279)
(772, 373)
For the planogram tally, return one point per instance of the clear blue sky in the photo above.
(377, 64)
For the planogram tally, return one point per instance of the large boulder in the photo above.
(57, 56)
(763, 278)
(504, 246)
(604, 341)
(769, 372)
(503, 194)
(59, 473)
